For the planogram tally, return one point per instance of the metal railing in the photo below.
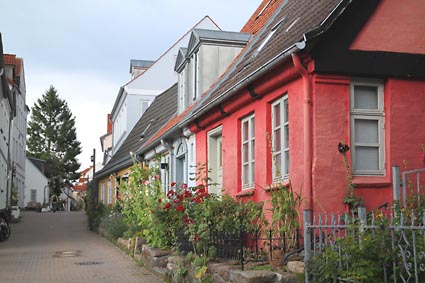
(244, 245)
(399, 234)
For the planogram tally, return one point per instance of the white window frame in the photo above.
(281, 173)
(102, 192)
(368, 115)
(249, 121)
(110, 192)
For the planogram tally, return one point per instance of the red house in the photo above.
(319, 73)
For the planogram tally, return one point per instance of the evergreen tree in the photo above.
(52, 137)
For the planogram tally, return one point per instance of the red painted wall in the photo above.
(404, 106)
(404, 103)
(396, 26)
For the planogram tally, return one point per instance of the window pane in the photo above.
(286, 163)
(252, 179)
(278, 164)
(245, 174)
(366, 131)
(277, 144)
(253, 150)
(245, 130)
(252, 127)
(367, 158)
(286, 129)
(365, 97)
(276, 113)
(245, 153)
(286, 109)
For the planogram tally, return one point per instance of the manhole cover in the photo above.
(67, 254)
(89, 263)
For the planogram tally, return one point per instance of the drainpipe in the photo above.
(307, 114)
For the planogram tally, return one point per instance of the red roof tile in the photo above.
(9, 59)
(261, 16)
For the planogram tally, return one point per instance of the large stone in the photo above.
(154, 252)
(138, 243)
(296, 266)
(252, 276)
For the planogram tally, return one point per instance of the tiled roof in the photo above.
(9, 59)
(165, 129)
(290, 21)
(162, 109)
(260, 16)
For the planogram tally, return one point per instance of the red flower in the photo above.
(170, 193)
(167, 205)
(184, 186)
(173, 184)
(176, 201)
(180, 208)
(159, 200)
(196, 238)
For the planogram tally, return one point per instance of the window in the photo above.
(144, 104)
(367, 128)
(33, 195)
(109, 192)
(181, 159)
(248, 151)
(102, 192)
(280, 138)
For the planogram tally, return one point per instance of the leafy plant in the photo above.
(351, 199)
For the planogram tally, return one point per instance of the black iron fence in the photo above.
(245, 245)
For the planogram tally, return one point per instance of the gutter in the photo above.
(307, 131)
(248, 79)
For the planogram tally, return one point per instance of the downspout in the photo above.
(307, 134)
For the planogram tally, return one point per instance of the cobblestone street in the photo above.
(58, 247)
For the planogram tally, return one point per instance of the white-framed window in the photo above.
(109, 192)
(144, 104)
(248, 151)
(280, 138)
(181, 163)
(102, 192)
(33, 197)
(367, 127)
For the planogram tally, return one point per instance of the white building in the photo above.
(36, 183)
(147, 82)
(14, 68)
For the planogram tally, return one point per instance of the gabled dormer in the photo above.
(206, 57)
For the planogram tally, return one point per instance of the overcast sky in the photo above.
(83, 47)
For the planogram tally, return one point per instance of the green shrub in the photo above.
(113, 225)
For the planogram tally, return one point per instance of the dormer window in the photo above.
(207, 56)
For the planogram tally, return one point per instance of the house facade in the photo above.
(317, 75)
(133, 100)
(149, 79)
(13, 113)
(14, 68)
(36, 184)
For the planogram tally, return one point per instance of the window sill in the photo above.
(371, 181)
(245, 193)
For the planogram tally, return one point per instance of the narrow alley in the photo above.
(58, 247)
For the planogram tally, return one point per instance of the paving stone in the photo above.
(252, 276)
(31, 253)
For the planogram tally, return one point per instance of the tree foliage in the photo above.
(52, 137)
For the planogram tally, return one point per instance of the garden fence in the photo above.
(243, 245)
(400, 235)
